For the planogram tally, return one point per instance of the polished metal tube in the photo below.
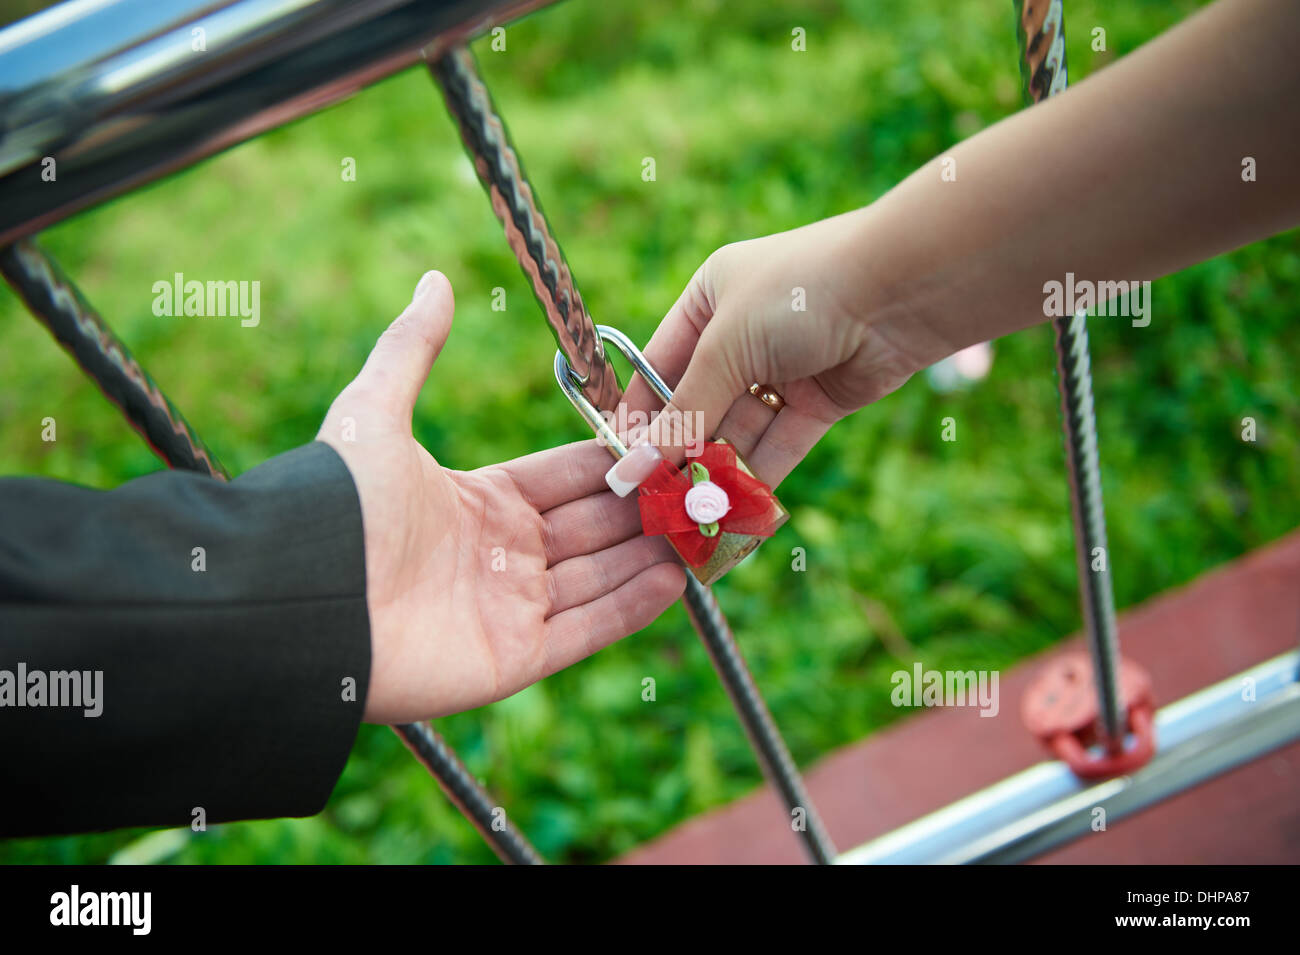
(1273, 722)
(119, 92)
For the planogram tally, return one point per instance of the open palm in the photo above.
(481, 582)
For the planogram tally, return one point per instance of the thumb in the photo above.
(714, 378)
(400, 362)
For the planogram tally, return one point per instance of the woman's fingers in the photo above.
(675, 347)
(580, 631)
(745, 423)
(686, 350)
(785, 443)
(671, 346)
(712, 382)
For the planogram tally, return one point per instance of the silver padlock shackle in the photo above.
(572, 388)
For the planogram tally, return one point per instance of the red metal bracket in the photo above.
(1061, 709)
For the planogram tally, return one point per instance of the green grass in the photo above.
(961, 550)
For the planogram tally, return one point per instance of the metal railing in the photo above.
(121, 92)
(275, 59)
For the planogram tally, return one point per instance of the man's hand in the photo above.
(481, 582)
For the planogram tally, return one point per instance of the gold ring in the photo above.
(768, 395)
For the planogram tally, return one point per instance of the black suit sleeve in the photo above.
(225, 671)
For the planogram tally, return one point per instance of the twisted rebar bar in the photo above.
(470, 798)
(773, 756)
(526, 228)
(1041, 32)
(52, 297)
(541, 258)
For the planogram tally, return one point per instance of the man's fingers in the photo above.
(400, 361)
(556, 476)
(580, 631)
(588, 525)
(587, 577)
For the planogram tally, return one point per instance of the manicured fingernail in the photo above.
(633, 468)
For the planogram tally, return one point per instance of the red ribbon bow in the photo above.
(754, 510)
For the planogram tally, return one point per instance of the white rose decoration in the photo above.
(706, 503)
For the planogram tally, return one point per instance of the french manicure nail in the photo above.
(633, 468)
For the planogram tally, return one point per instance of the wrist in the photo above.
(896, 298)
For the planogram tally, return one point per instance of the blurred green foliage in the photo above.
(957, 554)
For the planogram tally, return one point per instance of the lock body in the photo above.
(731, 548)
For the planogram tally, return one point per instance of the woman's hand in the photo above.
(480, 583)
(784, 310)
(1082, 184)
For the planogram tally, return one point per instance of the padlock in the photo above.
(730, 548)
